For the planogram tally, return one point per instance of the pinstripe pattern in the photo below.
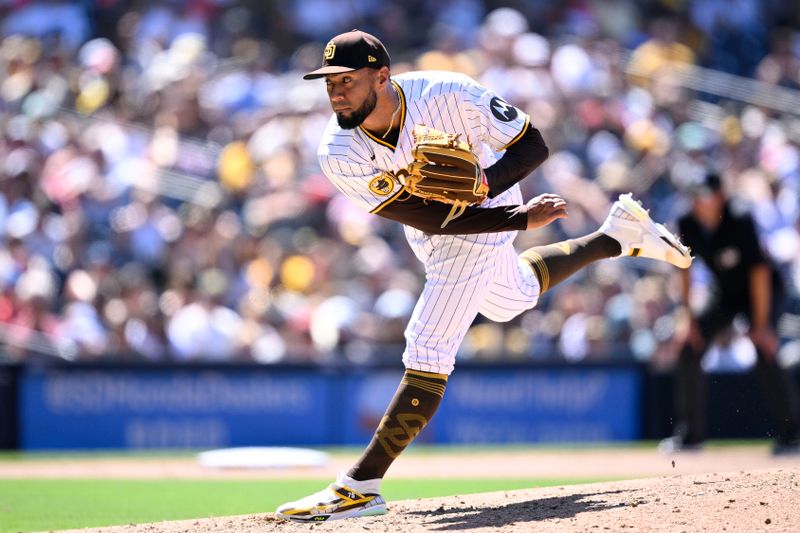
(465, 274)
(515, 289)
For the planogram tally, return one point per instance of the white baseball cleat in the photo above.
(344, 498)
(630, 225)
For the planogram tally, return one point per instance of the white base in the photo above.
(262, 457)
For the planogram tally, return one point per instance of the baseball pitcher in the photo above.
(443, 155)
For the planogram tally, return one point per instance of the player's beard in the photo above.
(359, 115)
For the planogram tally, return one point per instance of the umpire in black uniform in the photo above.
(746, 283)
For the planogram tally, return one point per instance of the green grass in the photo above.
(42, 504)
(36, 504)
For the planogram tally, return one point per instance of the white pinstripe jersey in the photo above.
(464, 274)
(362, 166)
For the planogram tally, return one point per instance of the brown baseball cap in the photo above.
(351, 51)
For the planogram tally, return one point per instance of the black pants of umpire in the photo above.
(690, 383)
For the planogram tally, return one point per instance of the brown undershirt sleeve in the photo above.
(519, 160)
(428, 215)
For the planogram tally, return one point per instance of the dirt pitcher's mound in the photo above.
(758, 500)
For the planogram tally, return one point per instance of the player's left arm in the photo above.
(506, 129)
(762, 334)
(760, 288)
(760, 278)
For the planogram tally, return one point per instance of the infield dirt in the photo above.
(519, 463)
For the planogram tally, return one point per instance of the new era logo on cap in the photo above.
(351, 51)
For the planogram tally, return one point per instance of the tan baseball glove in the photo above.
(444, 169)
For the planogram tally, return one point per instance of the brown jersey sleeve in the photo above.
(428, 215)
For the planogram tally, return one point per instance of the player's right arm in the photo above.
(505, 129)
(518, 161)
(380, 193)
(693, 336)
(427, 215)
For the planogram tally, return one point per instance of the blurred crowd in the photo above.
(160, 197)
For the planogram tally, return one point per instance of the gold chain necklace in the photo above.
(394, 114)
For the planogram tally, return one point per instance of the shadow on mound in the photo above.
(472, 517)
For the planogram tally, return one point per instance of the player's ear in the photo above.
(383, 76)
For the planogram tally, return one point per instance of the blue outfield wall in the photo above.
(178, 408)
(201, 407)
(511, 405)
